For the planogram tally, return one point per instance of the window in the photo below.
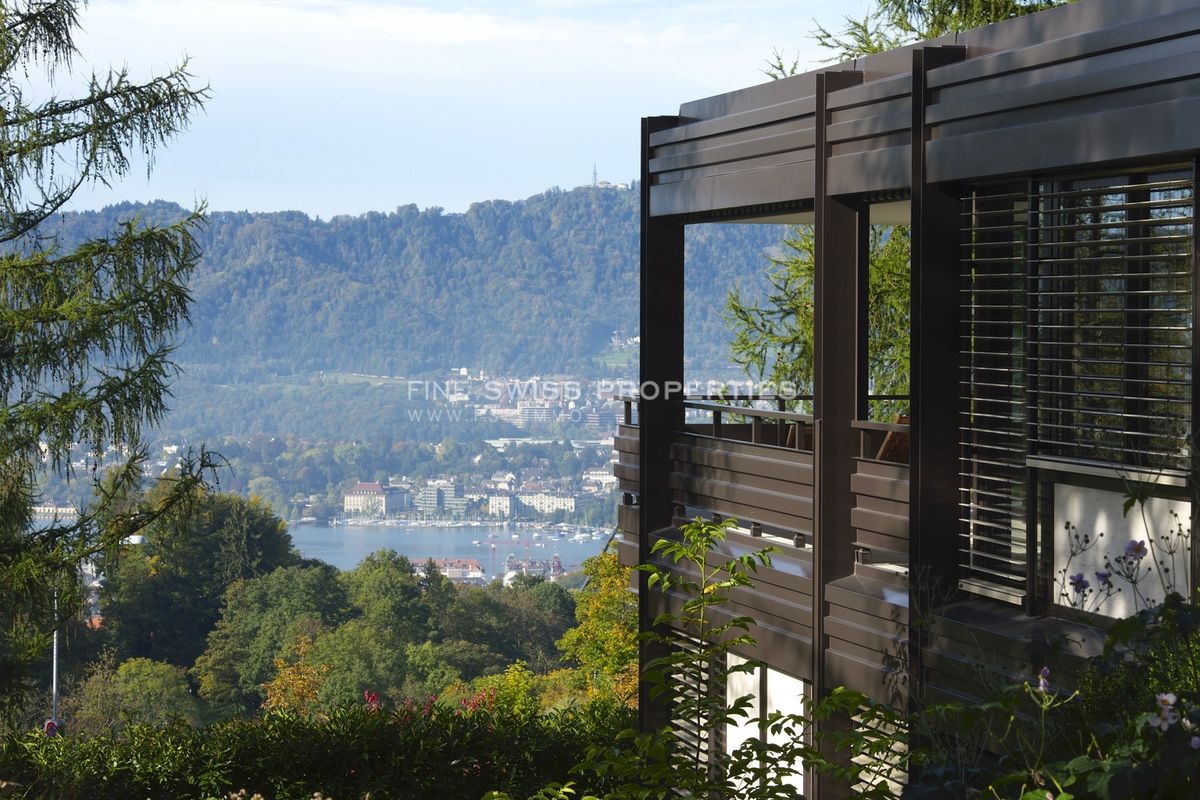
(770, 691)
(1076, 349)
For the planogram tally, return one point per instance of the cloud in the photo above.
(348, 105)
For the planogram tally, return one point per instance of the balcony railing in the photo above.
(752, 463)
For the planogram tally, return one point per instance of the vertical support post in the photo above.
(838, 258)
(1194, 431)
(934, 389)
(862, 336)
(660, 411)
(54, 668)
(1039, 567)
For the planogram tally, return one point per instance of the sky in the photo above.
(346, 106)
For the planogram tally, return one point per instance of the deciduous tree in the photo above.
(604, 640)
(164, 596)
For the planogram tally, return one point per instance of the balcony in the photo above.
(756, 464)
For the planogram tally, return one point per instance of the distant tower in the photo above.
(595, 182)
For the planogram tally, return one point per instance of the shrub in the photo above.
(411, 752)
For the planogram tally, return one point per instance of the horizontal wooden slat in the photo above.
(788, 183)
(862, 483)
(1162, 63)
(773, 462)
(629, 519)
(800, 106)
(795, 135)
(1077, 46)
(882, 469)
(785, 522)
(886, 602)
(1125, 132)
(783, 636)
(862, 675)
(742, 494)
(871, 171)
(874, 540)
(888, 524)
(865, 636)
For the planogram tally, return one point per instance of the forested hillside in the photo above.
(514, 288)
(286, 306)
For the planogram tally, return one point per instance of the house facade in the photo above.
(1047, 168)
(373, 499)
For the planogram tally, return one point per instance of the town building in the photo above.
(461, 570)
(441, 497)
(1047, 168)
(534, 413)
(370, 499)
(599, 480)
(546, 502)
(500, 505)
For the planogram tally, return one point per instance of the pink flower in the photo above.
(372, 700)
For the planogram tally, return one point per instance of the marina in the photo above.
(345, 545)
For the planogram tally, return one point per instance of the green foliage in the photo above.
(515, 623)
(604, 639)
(164, 596)
(773, 338)
(261, 620)
(506, 287)
(87, 326)
(1132, 730)
(673, 760)
(895, 23)
(359, 656)
(385, 589)
(383, 627)
(411, 752)
(138, 691)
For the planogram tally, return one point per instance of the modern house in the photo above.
(1047, 168)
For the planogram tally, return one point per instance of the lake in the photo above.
(344, 546)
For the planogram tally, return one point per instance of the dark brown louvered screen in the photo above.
(1076, 346)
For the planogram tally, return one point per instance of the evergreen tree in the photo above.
(895, 23)
(85, 332)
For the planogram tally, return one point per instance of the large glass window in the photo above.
(770, 691)
(1076, 360)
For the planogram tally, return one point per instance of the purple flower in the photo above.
(1196, 742)
(1104, 579)
(1079, 583)
(1135, 550)
(1044, 680)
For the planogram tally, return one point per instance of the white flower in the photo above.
(1165, 719)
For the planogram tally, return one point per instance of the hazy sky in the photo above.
(345, 106)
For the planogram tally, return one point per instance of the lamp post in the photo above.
(53, 726)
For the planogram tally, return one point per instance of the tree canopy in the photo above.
(895, 23)
(86, 331)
